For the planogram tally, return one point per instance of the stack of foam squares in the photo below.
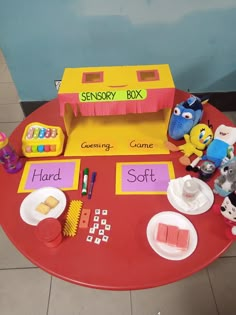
(173, 236)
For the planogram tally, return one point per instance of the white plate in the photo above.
(28, 211)
(205, 207)
(164, 250)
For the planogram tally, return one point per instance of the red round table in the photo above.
(126, 261)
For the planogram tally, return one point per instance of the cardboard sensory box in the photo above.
(120, 110)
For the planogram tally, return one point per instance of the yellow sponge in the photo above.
(72, 218)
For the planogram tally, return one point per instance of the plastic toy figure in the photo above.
(184, 117)
(206, 170)
(228, 210)
(199, 138)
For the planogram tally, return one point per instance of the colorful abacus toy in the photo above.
(42, 140)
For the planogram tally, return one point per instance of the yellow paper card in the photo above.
(62, 174)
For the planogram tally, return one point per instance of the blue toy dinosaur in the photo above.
(184, 117)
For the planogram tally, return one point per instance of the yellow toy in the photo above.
(42, 140)
(199, 138)
(72, 218)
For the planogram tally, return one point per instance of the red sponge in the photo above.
(172, 235)
(183, 239)
(162, 232)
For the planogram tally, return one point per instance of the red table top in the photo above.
(126, 261)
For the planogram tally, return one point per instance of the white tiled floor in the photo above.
(27, 290)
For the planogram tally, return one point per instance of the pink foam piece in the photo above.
(162, 232)
(183, 239)
(172, 235)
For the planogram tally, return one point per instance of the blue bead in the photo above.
(40, 148)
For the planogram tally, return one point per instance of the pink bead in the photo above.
(47, 148)
(28, 149)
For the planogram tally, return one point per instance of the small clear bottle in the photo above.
(8, 157)
(190, 190)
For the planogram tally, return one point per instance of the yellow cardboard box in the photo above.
(120, 110)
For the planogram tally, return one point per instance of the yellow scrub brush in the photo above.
(72, 218)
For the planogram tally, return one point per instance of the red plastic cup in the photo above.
(49, 231)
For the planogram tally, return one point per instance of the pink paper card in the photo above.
(63, 174)
(143, 178)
